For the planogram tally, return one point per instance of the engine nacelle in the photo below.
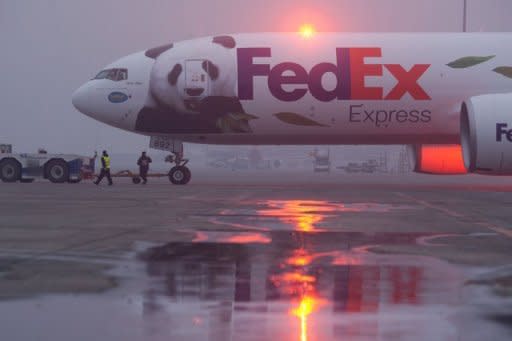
(438, 159)
(486, 134)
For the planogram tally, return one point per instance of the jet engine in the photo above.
(486, 134)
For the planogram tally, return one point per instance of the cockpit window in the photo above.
(102, 75)
(115, 75)
(122, 74)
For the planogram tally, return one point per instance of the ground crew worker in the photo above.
(105, 169)
(143, 164)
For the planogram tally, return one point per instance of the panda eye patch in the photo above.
(157, 51)
(225, 41)
(211, 69)
(172, 77)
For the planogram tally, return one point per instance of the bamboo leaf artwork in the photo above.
(470, 61)
(504, 70)
(296, 119)
(235, 123)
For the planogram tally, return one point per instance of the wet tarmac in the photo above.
(393, 261)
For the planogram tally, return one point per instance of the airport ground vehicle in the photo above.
(368, 166)
(57, 168)
(321, 161)
(352, 167)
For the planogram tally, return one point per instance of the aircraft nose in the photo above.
(81, 99)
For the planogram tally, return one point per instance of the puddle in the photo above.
(278, 273)
(300, 286)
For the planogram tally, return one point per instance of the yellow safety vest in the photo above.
(106, 159)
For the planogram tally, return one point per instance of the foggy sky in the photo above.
(50, 47)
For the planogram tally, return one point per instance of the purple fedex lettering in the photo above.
(247, 69)
(277, 79)
(288, 73)
(341, 71)
(350, 72)
(502, 130)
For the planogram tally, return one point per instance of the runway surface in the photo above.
(258, 256)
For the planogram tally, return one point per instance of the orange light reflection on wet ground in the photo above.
(231, 237)
(304, 214)
(301, 286)
(296, 277)
(300, 258)
(250, 238)
(304, 309)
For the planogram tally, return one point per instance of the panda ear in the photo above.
(211, 69)
(172, 77)
(156, 51)
(225, 41)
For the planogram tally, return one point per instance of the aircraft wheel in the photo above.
(136, 180)
(10, 170)
(57, 171)
(188, 175)
(180, 175)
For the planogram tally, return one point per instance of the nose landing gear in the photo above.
(179, 173)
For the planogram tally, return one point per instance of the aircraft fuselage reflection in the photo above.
(305, 214)
(303, 269)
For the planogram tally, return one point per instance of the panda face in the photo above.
(188, 72)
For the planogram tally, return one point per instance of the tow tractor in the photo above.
(58, 168)
(321, 160)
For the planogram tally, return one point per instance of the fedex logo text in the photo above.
(503, 131)
(350, 71)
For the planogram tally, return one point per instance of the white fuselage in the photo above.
(275, 88)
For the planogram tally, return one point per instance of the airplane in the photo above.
(448, 95)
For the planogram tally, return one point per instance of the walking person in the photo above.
(105, 169)
(143, 163)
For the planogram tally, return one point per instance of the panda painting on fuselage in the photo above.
(193, 90)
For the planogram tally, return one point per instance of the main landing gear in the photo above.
(179, 174)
